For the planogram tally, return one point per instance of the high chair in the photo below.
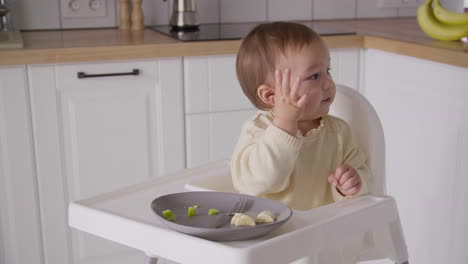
(349, 231)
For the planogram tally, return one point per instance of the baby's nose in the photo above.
(329, 83)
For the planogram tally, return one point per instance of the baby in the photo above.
(291, 151)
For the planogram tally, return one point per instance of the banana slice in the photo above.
(265, 217)
(240, 219)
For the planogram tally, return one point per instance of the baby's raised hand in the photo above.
(288, 103)
(346, 179)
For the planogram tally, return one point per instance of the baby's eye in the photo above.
(313, 77)
(328, 70)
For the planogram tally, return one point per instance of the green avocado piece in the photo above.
(192, 211)
(213, 211)
(169, 215)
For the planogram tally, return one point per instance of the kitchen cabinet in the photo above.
(94, 135)
(423, 109)
(215, 106)
(20, 232)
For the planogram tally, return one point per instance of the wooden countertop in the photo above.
(397, 35)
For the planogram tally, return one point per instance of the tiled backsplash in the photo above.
(32, 15)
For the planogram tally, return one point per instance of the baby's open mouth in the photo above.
(329, 99)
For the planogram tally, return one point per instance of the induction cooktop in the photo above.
(231, 31)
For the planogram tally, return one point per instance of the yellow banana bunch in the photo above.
(440, 23)
(447, 17)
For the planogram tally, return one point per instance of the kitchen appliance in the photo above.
(10, 38)
(4, 16)
(232, 31)
(184, 15)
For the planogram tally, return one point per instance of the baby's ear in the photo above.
(266, 94)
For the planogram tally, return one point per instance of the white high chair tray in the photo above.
(125, 216)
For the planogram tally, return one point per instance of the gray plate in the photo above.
(202, 224)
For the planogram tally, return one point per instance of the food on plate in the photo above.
(213, 211)
(192, 211)
(240, 219)
(169, 215)
(265, 217)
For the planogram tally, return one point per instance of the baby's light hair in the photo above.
(260, 50)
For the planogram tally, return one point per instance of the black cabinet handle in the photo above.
(82, 75)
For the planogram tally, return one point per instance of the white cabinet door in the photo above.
(345, 64)
(98, 134)
(20, 233)
(215, 106)
(423, 109)
(213, 136)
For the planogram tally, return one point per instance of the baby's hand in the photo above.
(288, 103)
(346, 179)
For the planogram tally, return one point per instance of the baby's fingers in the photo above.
(285, 83)
(295, 92)
(302, 101)
(340, 171)
(347, 174)
(353, 190)
(350, 183)
(278, 81)
(332, 180)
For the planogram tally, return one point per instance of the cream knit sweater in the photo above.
(271, 163)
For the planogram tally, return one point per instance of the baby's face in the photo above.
(312, 64)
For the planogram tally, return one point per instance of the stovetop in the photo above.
(230, 31)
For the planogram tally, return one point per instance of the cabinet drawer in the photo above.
(67, 75)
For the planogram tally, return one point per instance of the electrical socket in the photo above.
(398, 3)
(83, 8)
(389, 3)
(411, 3)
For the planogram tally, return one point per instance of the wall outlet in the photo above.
(389, 3)
(411, 3)
(398, 3)
(83, 8)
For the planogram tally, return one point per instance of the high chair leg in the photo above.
(305, 260)
(398, 243)
(330, 256)
(151, 260)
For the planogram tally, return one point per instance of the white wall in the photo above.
(46, 14)
(33, 14)
(453, 5)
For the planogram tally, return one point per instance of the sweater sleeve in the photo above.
(262, 163)
(354, 157)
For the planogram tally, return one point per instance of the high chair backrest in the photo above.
(354, 108)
